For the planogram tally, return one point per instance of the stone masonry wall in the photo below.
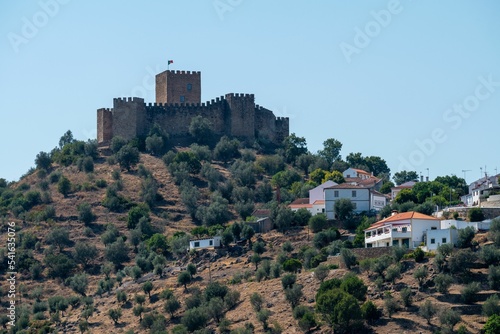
(171, 85)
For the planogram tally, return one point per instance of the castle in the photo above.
(178, 100)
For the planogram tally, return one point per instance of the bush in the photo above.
(370, 312)
(59, 237)
(449, 318)
(354, 286)
(318, 223)
(85, 213)
(469, 292)
(117, 252)
(293, 295)
(406, 297)
(391, 305)
(79, 283)
(256, 300)
(200, 129)
(43, 160)
(195, 318)
(321, 272)
(127, 157)
(492, 325)
(288, 280)
(419, 255)
(135, 214)
(494, 277)
(340, 309)
(491, 306)
(465, 237)
(443, 282)
(348, 257)
(115, 315)
(64, 186)
(420, 274)
(226, 149)
(59, 265)
(475, 215)
(427, 310)
(292, 265)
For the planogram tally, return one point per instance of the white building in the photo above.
(402, 229)
(317, 194)
(355, 172)
(481, 187)
(359, 196)
(364, 199)
(205, 243)
(395, 190)
(436, 238)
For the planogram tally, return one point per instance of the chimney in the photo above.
(394, 212)
(426, 179)
(421, 178)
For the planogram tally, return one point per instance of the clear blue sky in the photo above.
(378, 91)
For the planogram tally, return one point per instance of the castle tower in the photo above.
(178, 87)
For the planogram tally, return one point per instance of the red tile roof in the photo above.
(401, 216)
(301, 201)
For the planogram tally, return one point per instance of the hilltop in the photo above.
(95, 224)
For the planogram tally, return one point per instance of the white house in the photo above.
(359, 196)
(402, 229)
(317, 194)
(395, 190)
(356, 173)
(205, 243)
(436, 238)
(377, 200)
(481, 187)
(314, 208)
(460, 224)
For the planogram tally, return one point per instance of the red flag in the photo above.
(170, 62)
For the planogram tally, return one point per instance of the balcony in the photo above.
(387, 232)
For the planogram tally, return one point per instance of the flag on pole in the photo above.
(170, 62)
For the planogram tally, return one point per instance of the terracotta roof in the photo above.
(401, 216)
(300, 201)
(300, 206)
(360, 171)
(319, 201)
(366, 182)
(347, 186)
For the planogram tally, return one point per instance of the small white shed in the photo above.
(205, 243)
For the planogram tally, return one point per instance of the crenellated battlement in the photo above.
(178, 101)
(185, 72)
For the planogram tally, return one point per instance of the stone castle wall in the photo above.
(233, 115)
(171, 85)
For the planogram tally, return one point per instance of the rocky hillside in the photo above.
(102, 247)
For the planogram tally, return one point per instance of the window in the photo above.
(196, 244)
(336, 193)
(189, 87)
(355, 206)
(354, 193)
(434, 228)
(183, 99)
(404, 229)
(323, 210)
(211, 242)
(433, 241)
(443, 240)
